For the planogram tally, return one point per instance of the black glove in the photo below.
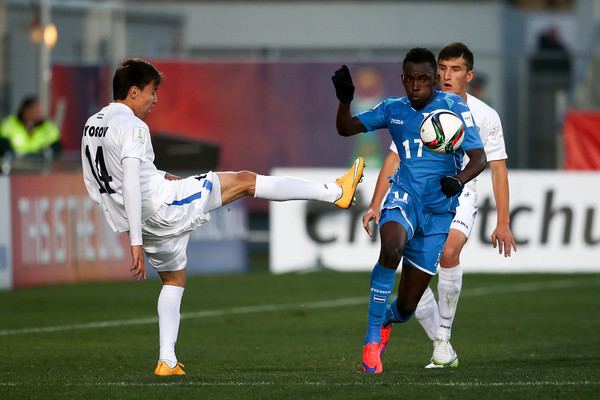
(344, 88)
(451, 185)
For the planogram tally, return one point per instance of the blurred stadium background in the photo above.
(248, 87)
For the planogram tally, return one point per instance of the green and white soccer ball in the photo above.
(442, 131)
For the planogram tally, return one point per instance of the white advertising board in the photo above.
(555, 218)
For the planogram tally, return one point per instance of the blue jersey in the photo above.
(420, 170)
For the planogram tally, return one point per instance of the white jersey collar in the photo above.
(122, 107)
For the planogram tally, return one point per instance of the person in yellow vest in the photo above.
(28, 133)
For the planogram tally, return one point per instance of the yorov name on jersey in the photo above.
(95, 131)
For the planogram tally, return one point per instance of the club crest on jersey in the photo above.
(139, 134)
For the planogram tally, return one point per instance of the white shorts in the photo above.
(166, 232)
(465, 213)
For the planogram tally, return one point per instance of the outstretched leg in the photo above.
(235, 185)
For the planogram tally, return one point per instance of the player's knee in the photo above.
(247, 182)
(173, 278)
(450, 257)
(391, 254)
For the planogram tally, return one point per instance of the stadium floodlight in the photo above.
(50, 35)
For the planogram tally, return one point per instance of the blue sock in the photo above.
(392, 315)
(382, 283)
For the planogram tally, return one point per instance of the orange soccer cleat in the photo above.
(386, 331)
(349, 182)
(163, 369)
(371, 359)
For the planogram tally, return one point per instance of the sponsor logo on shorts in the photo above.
(396, 121)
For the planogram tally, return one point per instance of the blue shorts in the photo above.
(427, 232)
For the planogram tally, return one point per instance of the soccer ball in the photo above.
(442, 131)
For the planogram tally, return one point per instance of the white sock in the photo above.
(427, 313)
(169, 302)
(449, 285)
(282, 188)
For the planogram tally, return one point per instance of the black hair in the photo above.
(420, 55)
(457, 50)
(25, 104)
(134, 72)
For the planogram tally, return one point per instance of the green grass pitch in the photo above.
(299, 336)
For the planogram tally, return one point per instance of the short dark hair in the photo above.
(27, 102)
(420, 55)
(134, 72)
(457, 50)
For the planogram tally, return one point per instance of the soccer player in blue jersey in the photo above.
(455, 71)
(423, 196)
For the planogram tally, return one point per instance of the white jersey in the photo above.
(490, 131)
(109, 136)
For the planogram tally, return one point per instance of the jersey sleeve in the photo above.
(393, 148)
(132, 198)
(472, 140)
(135, 137)
(495, 148)
(375, 118)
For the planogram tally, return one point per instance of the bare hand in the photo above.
(369, 215)
(503, 239)
(138, 266)
(171, 177)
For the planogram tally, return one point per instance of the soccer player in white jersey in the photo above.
(455, 71)
(159, 210)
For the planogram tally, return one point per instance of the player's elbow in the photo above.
(349, 127)
(482, 161)
(344, 129)
(343, 132)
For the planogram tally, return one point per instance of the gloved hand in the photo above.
(451, 185)
(344, 88)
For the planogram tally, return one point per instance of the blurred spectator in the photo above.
(549, 79)
(28, 136)
(551, 54)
